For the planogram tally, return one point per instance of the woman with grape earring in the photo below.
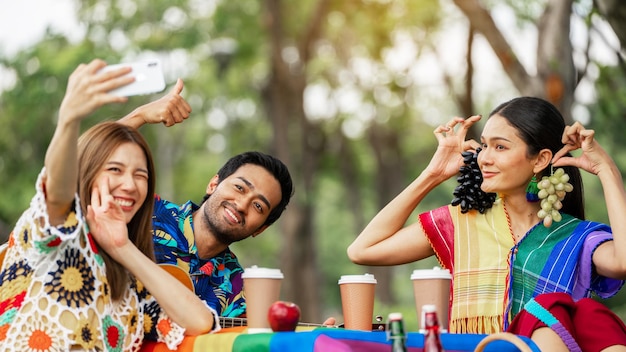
(512, 269)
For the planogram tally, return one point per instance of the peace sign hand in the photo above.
(106, 219)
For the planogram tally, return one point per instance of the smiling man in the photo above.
(248, 194)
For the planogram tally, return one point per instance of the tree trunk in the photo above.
(556, 76)
(614, 11)
(389, 182)
(297, 143)
(464, 99)
(555, 63)
(480, 19)
(165, 155)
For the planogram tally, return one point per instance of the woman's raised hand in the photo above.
(451, 137)
(106, 219)
(593, 156)
(168, 110)
(87, 90)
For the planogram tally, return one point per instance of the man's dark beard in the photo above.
(226, 237)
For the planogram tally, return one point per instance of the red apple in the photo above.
(283, 316)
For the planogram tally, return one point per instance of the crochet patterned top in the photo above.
(54, 294)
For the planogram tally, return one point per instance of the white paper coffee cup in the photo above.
(357, 300)
(261, 289)
(432, 287)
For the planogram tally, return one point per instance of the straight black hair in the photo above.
(540, 125)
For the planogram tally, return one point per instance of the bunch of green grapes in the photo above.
(552, 190)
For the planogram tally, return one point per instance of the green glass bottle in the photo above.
(397, 336)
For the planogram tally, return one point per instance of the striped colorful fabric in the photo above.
(547, 260)
(326, 340)
(479, 264)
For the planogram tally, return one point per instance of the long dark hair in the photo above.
(95, 147)
(540, 125)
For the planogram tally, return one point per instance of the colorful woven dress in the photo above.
(54, 294)
(493, 277)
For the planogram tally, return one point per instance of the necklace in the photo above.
(508, 222)
(514, 235)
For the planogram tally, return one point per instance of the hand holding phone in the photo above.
(148, 78)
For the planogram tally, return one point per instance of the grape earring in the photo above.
(552, 190)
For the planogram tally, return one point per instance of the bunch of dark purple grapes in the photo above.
(468, 194)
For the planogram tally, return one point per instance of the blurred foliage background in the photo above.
(346, 93)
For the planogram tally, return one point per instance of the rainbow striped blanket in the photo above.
(324, 340)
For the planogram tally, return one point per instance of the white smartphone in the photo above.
(148, 78)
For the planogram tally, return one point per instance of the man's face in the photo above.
(239, 205)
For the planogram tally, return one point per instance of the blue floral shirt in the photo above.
(217, 280)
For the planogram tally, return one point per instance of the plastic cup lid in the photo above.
(259, 272)
(434, 273)
(357, 279)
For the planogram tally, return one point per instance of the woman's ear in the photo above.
(542, 160)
